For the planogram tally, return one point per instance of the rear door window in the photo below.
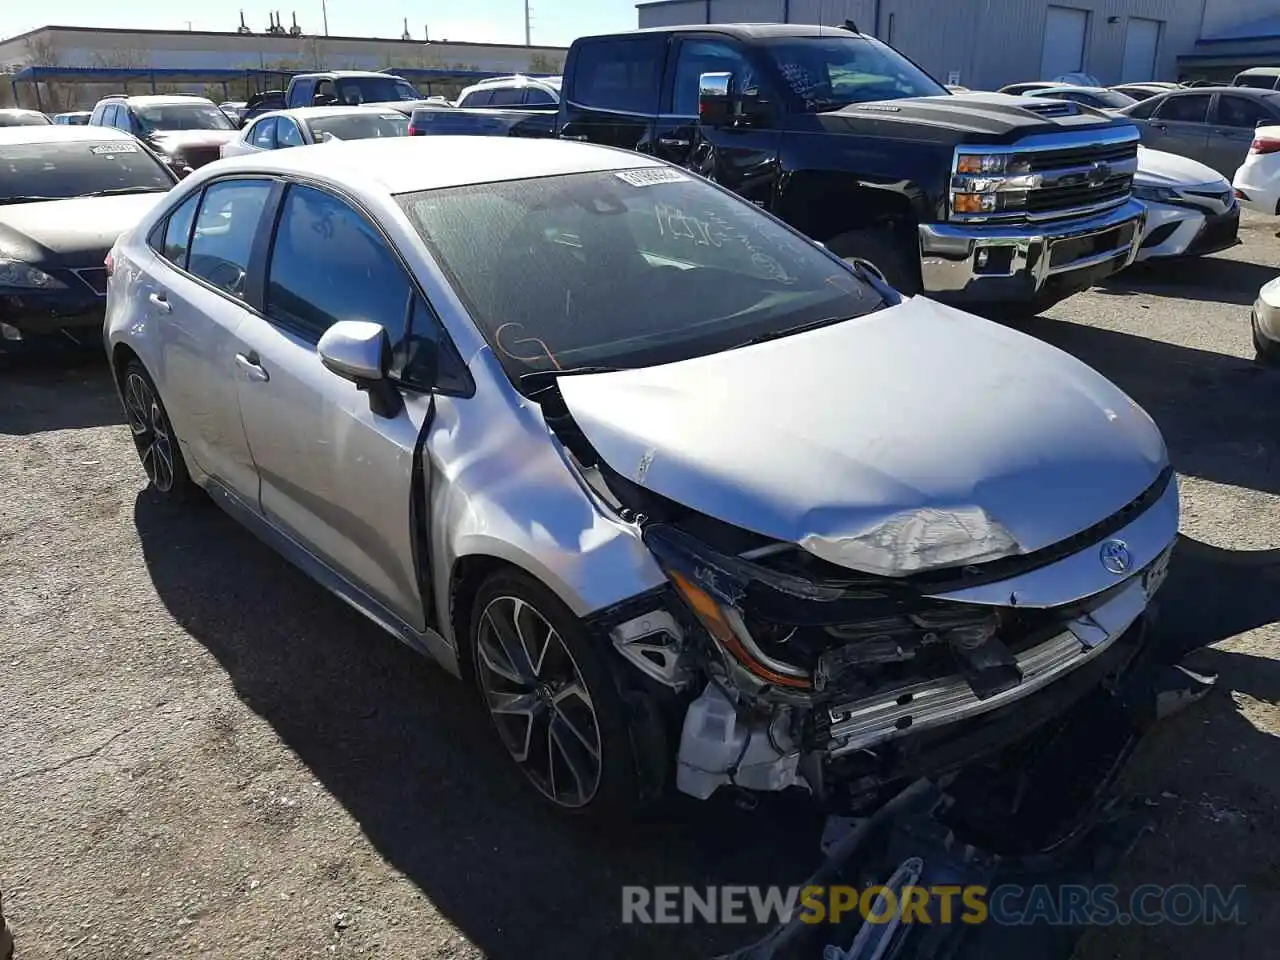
(264, 134)
(226, 226)
(507, 97)
(1242, 112)
(478, 98)
(287, 133)
(177, 232)
(536, 95)
(1193, 108)
(623, 75)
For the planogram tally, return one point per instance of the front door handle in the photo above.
(252, 368)
(161, 302)
(672, 142)
(1158, 126)
(574, 136)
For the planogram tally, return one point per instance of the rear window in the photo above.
(354, 90)
(1257, 81)
(182, 116)
(58, 171)
(23, 118)
(622, 75)
(362, 126)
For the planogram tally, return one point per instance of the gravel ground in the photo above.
(202, 752)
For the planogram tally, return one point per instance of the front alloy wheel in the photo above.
(539, 701)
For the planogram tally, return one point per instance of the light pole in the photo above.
(527, 31)
(324, 13)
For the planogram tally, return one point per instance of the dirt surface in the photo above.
(201, 752)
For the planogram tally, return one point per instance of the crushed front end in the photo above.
(800, 673)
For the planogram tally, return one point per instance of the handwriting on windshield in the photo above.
(674, 222)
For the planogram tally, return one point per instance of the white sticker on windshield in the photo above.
(113, 148)
(391, 116)
(648, 176)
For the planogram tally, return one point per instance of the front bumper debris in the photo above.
(966, 263)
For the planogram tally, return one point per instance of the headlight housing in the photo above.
(986, 184)
(1153, 194)
(15, 273)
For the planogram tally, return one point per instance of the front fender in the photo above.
(501, 486)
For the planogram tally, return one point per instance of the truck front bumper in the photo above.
(1036, 263)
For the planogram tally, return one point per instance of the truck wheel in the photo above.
(1267, 351)
(882, 247)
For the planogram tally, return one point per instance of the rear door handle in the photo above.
(252, 368)
(581, 137)
(672, 142)
(161, 302)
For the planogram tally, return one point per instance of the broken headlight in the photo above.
(808, 634)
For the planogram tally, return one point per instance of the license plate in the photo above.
(1155, 574)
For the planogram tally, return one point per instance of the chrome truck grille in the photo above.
(1043, 178)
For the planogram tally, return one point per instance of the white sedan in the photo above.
(1257, 182)
(1266, 323)
(1190, 207)
(306, 125)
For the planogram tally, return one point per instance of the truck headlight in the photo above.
(14, 273)
(975, 203)
(991, 163)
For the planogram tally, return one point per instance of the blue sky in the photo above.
(497, 21)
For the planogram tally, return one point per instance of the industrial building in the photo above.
(985, 44)
(74, 65)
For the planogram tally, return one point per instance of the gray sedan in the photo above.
(1213, 125)
(686, 498)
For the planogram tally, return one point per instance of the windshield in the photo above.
(23, 118)
(1113, 98)
(626, 268)
(374, 90)
(359, 126)
(56, 171)
(826, 73)
(182, 116)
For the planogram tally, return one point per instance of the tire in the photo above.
(575, 752)
(886, 250)
(1266, 351)
(153, 435)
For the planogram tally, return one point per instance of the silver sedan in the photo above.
(685, 497)
(309, 125)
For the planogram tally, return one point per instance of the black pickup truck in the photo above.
(977, 199)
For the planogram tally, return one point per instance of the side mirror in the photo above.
(870, 267)
(360, 351)
(321, 100)
(716, 106)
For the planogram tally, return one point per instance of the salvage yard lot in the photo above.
(203, 752)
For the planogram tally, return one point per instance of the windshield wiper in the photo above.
(122, 191)
(538, 379)
(788, 331)
(4, 200)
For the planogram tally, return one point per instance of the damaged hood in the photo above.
(915, 437)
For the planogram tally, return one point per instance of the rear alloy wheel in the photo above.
(153, 435)
(552, 701)
(883, 248)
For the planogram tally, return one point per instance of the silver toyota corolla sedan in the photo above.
(686, 498)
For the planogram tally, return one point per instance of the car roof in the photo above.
(1069, 88)
(23, 110)
(158, 99)
(409, 164)
(52, 133)
(1260, 72)
(515, 79)
(315, 113)
(347, 73)
(1253, 92)
(746, 31)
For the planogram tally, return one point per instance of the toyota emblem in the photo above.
(1116, 557)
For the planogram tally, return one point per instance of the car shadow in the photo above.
(406, 751)
(1212, 776)
(62, 391)
(1217, 280)
(1220, 415)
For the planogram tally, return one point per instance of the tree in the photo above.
(544, 63)
(41, 52)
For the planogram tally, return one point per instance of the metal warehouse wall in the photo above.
(989, 42)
